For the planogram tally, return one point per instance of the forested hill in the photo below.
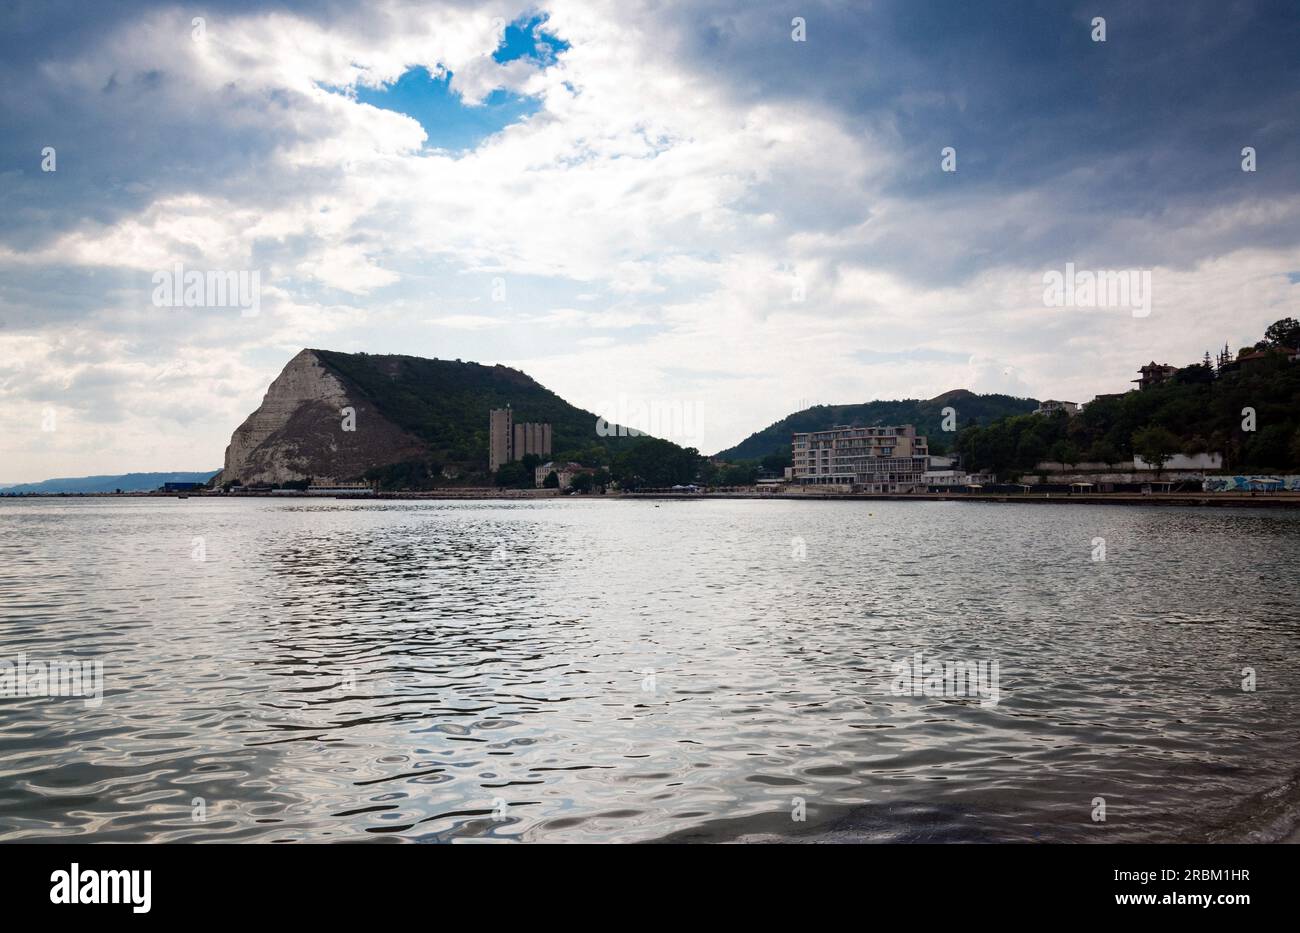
(404, 421)
(1247, 409)
(926, 414)
(445, 403)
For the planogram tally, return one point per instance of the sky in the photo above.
(708, 215)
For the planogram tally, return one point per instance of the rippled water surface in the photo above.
(630, 670)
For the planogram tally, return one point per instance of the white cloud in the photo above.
(465, 321)
(679, 211)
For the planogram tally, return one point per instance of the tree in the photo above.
(740, 474)
(552, 481)
(531, 462)
(1196, 374)
(1104, 452)
(582, 482)
(408, 474)
(514, 475)
(1195, 445)
(776, 462)
(656, 463)
(1030, 450)
(1156, 445)
(1269, 448)
(1283, 333)
(1064, 453)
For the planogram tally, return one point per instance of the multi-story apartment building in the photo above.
(1154, 374)
(875, 459)
(508, 441)
(1051, 406)
(532, 438)
(499, 438)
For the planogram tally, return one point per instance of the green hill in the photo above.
(927, 415)
(404, 421)
(1247, 409)
(445, 403)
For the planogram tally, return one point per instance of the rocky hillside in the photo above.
(926, 414)
(407, 410)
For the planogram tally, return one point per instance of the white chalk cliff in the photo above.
(300, 431)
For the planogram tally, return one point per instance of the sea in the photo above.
(617, 669)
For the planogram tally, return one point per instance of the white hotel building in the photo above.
(875, 459)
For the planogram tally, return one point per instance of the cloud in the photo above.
(688, 192)
(465, 321)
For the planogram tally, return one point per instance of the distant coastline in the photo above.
(1261, 500)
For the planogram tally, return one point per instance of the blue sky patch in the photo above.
(525, 38)
(449, 123)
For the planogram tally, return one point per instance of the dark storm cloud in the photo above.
(1147, 126)
(126, 136)
(1111, 153)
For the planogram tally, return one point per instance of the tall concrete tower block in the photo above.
(508, 441)
(532, 438)
(500, 438)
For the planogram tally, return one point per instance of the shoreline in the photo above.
(1212, 499)
(1280, 500)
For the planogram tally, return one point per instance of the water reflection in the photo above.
(598, 670)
